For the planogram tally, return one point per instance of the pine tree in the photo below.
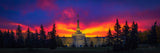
(12, 38)
(126, 29)
(152, 38)
(126, 32)
(42, 36)
(133, 37)
(117, 45)
(117, 28)
(109, 43)
(53, 43)
(1, 39)
(8, 43)
(36, 35)
(36, 40)
(42, 33)
(28, 39)
(20, 40)
(5, 39)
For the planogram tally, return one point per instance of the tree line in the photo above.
(32, 40)
(124, 38)
(127, 38)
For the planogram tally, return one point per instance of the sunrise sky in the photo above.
(96, 16)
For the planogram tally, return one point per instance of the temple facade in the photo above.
(78, 37)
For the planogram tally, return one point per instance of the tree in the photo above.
(126, 29)
(152, 38)
(53, 43)
(117, 45)
(133, 38)
(42, 36)
(28, 39)
(109, 40)
(1, 39)
(5, 39)
(42, 33)
(117, 28)
(126, 32)
(20, 40)
(36, 41)
(12, 39)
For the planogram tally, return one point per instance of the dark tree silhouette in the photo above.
(133, 37)
(152, 38)
(7, 40)
(1, 39)
(117, 45)
(12, 39)
(4, 39)
(36, 41)
(53, 43)
(20, 40)
(32, 40)
(117, 28)
(42, 36)
(109, 40)
(42, 33)
(126, 29)
(125, 33)
(28, 39)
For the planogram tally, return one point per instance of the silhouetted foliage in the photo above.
(42, 37)
(28, 41)
(125, 35)
(133, 41)
(53, 43)
(152, 38)
(117, 28)
(42, 33)
(117, 45)
(36, 41)
(110, 38)
(20, 40)
(1, 39)
(12, 39)
(128, 39)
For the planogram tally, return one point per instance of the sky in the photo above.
(96, 16)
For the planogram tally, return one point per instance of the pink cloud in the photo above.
(47, 4)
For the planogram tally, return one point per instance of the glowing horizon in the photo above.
(66, 30)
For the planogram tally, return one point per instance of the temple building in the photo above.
(78, 39)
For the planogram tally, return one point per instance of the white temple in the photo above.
(78, 37)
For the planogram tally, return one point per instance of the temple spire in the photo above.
(78, 28)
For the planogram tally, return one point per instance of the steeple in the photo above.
(78, 28)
